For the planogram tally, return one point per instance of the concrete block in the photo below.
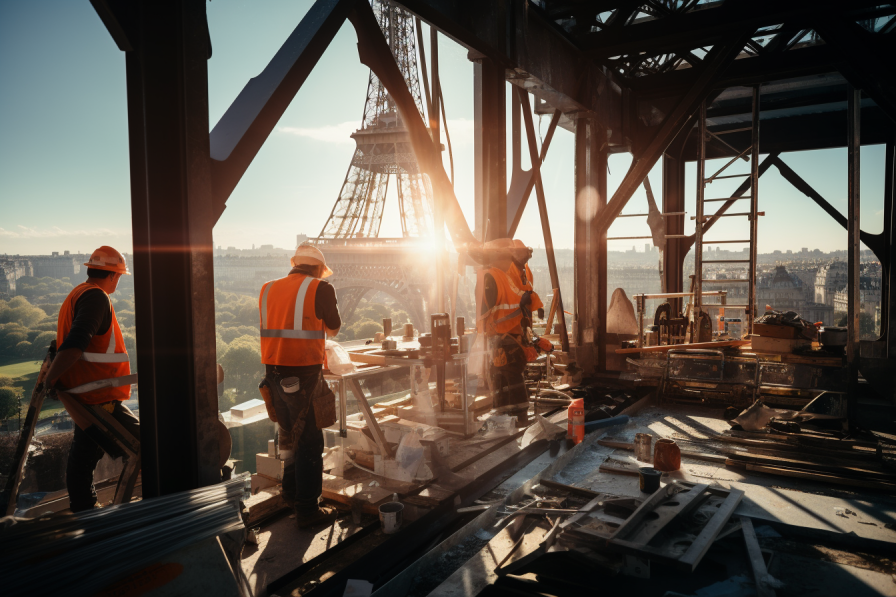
(260, 482)
(272, 448)
(271, 467)
(248, 409)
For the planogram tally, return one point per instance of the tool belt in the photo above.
(290, 410)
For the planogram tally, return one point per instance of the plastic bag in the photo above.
(338, 361)
(409, 454)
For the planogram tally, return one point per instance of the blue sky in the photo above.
(64, 155)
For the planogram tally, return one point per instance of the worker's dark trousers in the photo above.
(509, 383)
(303, 480)
(83, 457)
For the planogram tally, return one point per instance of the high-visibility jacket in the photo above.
(105, 357)
(286, 339)
(526, 286)
(505, 316)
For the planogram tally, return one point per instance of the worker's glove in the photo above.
(541, 313)
(544, 345)
(526, 300)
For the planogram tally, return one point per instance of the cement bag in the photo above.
(338, 361)
(409, 454)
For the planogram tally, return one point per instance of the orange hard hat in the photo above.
(107, 258)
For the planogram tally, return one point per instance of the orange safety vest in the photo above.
(527, 286)
(505, 316)
(288, 340)
(105, 357)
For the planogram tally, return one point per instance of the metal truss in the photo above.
(638, 39)
(358, 211)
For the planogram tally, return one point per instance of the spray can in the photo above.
(575, 429)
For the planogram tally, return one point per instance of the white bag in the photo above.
(409, 454)
(338, 361)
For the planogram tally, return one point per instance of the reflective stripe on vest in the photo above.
(296, 341)
(104, 364)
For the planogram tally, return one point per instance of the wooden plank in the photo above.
(608, 443)
(757, 562)
(694, 345)
(813, 476)
(646, 507)
(378, 435)
(811, 465)
(708, 535)
(679, 505)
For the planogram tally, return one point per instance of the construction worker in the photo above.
(91, 349)
(503, 307)
(297, 314)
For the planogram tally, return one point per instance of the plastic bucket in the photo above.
(390, 517)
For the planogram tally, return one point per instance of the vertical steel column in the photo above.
(754, 214)
(598, 154)
(673, 202)
(489, 148)
(438, 214)
(697, 299)
(586, 273)
(889, 307)
(854, 307)
(172, 219)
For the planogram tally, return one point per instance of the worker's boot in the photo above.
(323, 515)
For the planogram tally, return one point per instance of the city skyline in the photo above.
(64, 175)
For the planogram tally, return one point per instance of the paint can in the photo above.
(644, 447)
(649, 479)
(390, 517)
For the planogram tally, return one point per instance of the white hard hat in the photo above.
(310, 255)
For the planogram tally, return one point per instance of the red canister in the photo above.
(576, 420)
(666, 456)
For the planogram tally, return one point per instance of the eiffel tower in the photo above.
(362, 262)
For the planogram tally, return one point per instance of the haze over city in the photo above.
(64, 174)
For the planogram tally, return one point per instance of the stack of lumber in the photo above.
(779, 338)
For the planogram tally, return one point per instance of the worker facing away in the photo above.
(297, 315)
(91, 349)
(505, 319)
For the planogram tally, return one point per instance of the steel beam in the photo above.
(522, 181)
(523, 96)
(375, 53)
(673, 202)
(247, 123)
(853, 253)
(805, 132)
(590, 199)
(677, 120)
(490, 148)
(705, 27)
(520, 37)
(864, 63)
(172, 219)
(876, 242)
(888, 299)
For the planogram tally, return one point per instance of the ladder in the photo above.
(752, 214)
